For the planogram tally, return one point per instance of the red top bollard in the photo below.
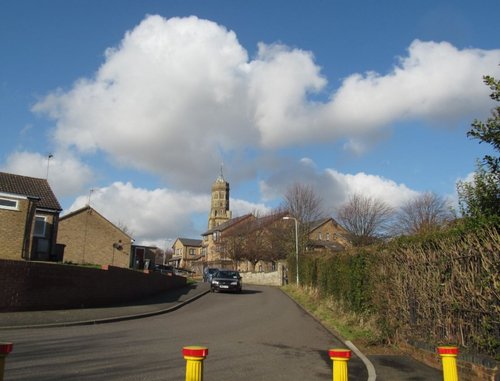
(340, 353)
(448, 350)
(195, 351)
(6, 348)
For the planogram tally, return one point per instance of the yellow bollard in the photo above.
(5, 349)
(340, 357)
(194, 357)
(449, 359)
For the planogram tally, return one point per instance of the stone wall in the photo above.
(41, 286)
(274, 278)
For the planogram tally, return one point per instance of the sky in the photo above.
(136, 106)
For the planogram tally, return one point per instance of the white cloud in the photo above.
(370, 186)
(169, 99)
(177, 95)
(66, 174)
(335, 188)
(154, 216)
(150, 215)
(241, 207)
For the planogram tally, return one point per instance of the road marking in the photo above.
(372, 376)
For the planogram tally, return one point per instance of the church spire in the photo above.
(220, 179)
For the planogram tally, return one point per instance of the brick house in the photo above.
(241, 243)
(187, 251)
(214, 241)
(327, 234)
(29, 218)
(90, 238)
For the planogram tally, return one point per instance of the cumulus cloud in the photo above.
(177, 95)
(66, 174)
(368, 185)
(147, 214)
(154, 216)
(335, 188)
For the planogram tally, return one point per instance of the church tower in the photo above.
(219, 207)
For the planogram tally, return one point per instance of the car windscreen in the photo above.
(227, 274)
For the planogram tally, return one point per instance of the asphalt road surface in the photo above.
(260, 334)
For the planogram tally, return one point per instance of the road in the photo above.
(258, 335)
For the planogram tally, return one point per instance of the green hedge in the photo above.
(440, 288)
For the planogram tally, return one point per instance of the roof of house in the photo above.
(262, 222)
(191, 242)
(227, 224)
(92, 210)
(30, 187)
(318, 223)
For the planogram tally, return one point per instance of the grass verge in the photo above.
(358, 328)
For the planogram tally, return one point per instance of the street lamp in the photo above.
(296, 244)
(49, 156)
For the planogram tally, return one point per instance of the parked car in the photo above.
(226, 280)
(208, 273)
(164, 269)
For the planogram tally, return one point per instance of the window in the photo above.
(327, 236)
(319, 236)
(191, 251)
(6, 203)
(40, 225)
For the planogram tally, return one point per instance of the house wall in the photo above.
(12, 230)
(89, 238)
(325, 232)
(28, 285)
(330, 232)
(184, 254)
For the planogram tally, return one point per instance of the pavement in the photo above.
(154, 305)
(380, 367)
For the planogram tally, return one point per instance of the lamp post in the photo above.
(296, 245)
(49, 156)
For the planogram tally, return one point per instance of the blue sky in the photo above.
(140, 102)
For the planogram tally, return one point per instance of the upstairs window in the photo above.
(40, 226)
(7, 203)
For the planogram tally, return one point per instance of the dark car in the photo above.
(226, 280)
(164, 269)
(208, 273)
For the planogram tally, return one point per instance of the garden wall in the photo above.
(45, 286)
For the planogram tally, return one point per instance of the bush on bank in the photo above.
(439, 288)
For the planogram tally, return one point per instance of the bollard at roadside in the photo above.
(5, 349)
(449, 359)
(194, 356)
(340, 357)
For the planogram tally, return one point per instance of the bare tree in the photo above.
(425, 212)
(303, 203)
(365, 218)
